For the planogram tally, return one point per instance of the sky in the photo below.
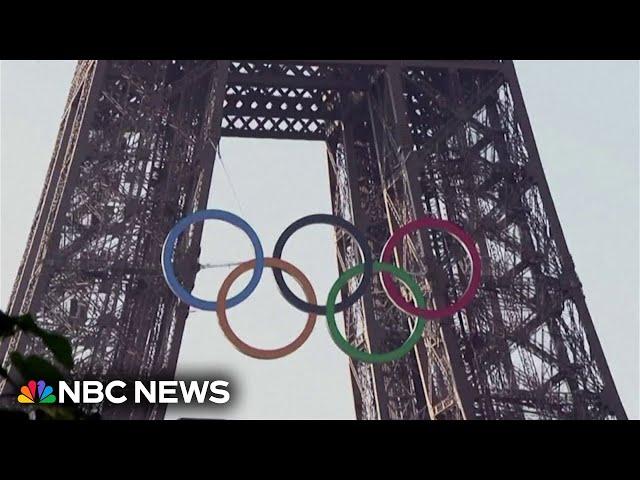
(585, 117)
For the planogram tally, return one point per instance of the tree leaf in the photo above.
(36, 368)
(57, 412)
(7, 325)
(59, 346)
(27, 323)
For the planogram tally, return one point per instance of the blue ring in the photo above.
(170, 245)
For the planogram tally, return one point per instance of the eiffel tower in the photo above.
(450, 139)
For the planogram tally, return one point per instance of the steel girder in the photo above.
(451, 139)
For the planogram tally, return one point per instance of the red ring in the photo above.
(461, 236)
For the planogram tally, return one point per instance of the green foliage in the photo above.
(57, 344)
(36, 367)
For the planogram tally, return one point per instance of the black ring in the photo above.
(336, 222)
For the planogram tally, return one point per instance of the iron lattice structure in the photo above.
(450, 139)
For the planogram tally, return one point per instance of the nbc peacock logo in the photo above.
(36, 392)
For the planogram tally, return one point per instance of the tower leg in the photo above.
(135, 154)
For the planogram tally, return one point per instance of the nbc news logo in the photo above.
(94, 391)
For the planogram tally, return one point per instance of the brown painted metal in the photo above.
(451, 139)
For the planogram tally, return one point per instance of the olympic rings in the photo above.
(385, 268)
(170, 244)
(342, 342)
(235, 340)
(467, 242)
(327, 220)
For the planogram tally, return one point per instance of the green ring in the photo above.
(352, 351)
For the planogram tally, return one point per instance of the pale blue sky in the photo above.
(585, 119)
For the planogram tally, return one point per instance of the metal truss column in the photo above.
(346, 204)
(403, 196)
(373, 324)
(138, 158)
(609, 392)
(71, 144)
